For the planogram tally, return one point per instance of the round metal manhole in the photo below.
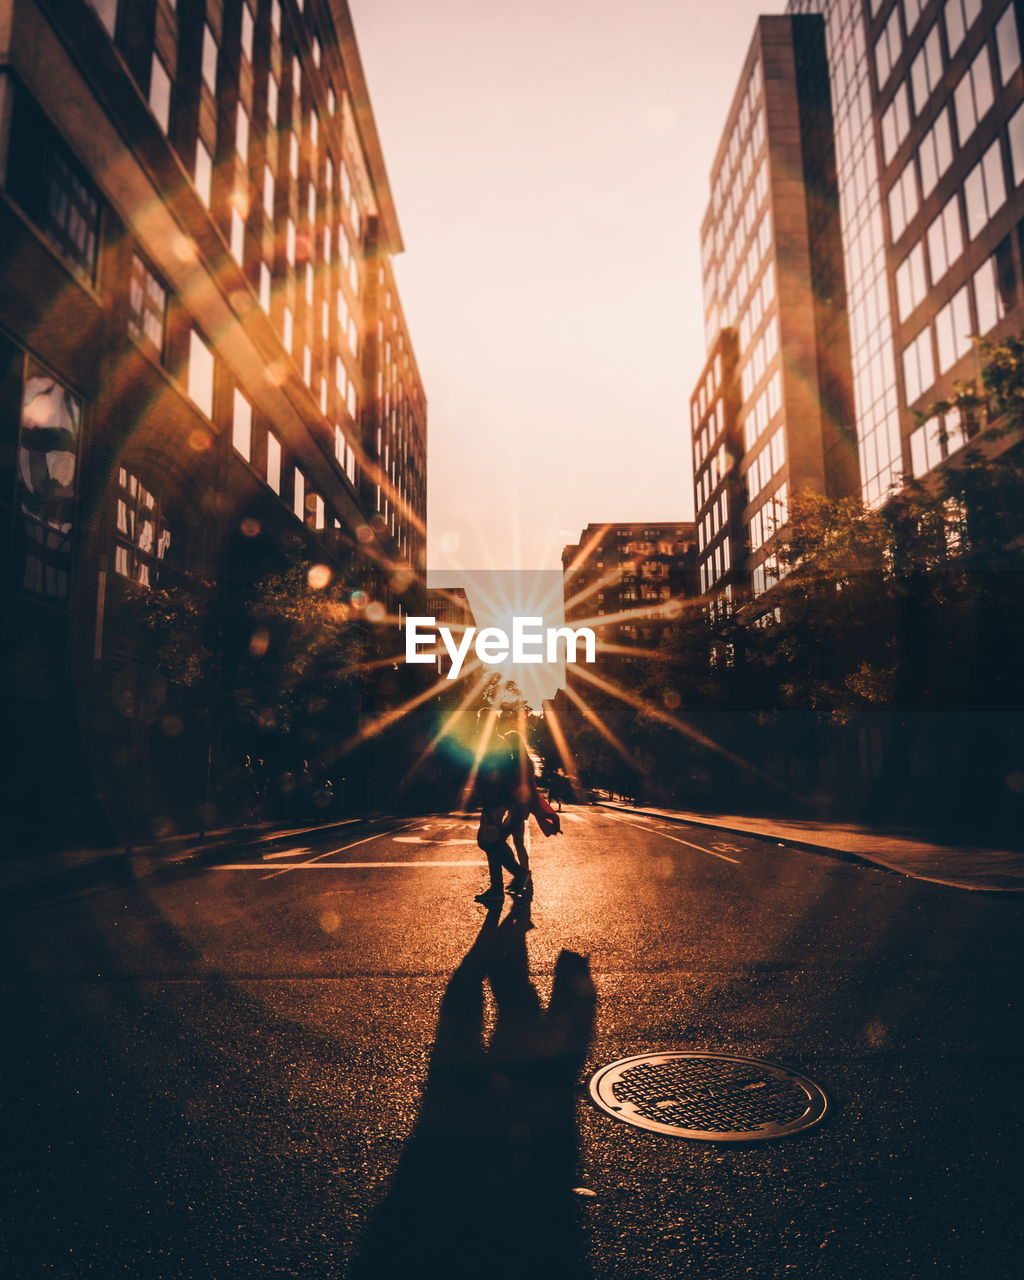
(708, 1096)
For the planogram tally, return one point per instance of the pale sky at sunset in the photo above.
(549, 160)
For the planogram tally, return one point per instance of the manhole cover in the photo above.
(708, 1095)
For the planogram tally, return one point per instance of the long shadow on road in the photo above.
(485, 1185)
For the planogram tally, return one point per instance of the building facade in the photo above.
(207, 376)
(449, 607)
(772, 412)
(929, 128)
(625, 580)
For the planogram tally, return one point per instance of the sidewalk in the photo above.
(78, 868)
(993, 870)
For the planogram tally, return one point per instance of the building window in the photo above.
(994, 288)
(973, 96)
(106, 11)
(52, 188)
(209, 64)
(200, 374)
(895, 124)
(241, 426)
(299, 496)
(204, 174)
(268, 193)
(147, 306)
(935, 153)
(945, 239)
(911, 284)
(935, 440)
(926, 70)
(918, 365)
(903, 201)
(953, 330)
(265, 287)
(273, 102)
(911, 13)
(143, 538)
(160, 93)
(984, 190)
(50, 429)
(242, 134)
(887, 48)
(237, 236)
(274, 462)
(247, 31)
(959, 16)
(1015, 130)
(1007, 43)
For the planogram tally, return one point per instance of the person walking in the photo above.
(506, 788)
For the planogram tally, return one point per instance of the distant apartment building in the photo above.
(206, 370)
(929, 124)
(625, 580)
(449, 607)
(772, 411)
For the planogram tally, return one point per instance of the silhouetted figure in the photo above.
(485, 1186)
(507, 792)
(559, 789)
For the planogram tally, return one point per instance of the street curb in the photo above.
(828, 851)
(842, 854)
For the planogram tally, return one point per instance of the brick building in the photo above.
(206, 371)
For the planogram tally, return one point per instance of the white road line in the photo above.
(302, 831)
(337, 866)
(655, 831)
(425, 840)
(330, 852)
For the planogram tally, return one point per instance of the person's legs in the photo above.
(522, 880)
(494, 844)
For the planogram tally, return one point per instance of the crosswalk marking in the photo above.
(330, 852)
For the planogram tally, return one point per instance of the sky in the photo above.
(549, 161)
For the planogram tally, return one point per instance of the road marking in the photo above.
(336, 866)
(699, 847)
(288, 853)
(425, 840)
(330, 852)
(302, 831)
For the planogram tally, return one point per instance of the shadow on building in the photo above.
(485, 1185)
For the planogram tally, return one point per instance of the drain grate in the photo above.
(710, 1096)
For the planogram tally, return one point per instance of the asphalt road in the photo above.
(328, 1061)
